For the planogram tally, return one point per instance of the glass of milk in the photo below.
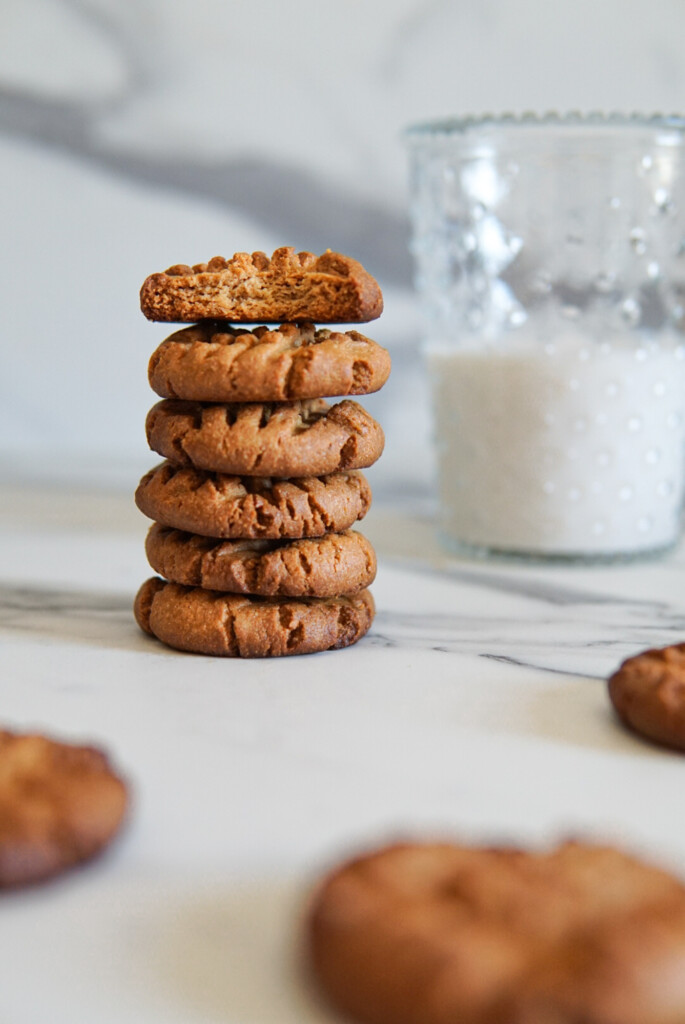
(550, 264)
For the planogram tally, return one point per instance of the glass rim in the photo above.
(450, 126)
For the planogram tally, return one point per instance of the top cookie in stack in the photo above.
(254, 504)
(255, 289)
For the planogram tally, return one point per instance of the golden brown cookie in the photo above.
(250, 288)
(445, 934)
(235, 626)
(648, 693)
(60, 804)
(214, 362)
(337, 563)
(287, 439)
(217, 505)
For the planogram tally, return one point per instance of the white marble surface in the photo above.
(475, 708)
(138, 134)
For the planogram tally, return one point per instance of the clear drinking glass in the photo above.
(550, 264)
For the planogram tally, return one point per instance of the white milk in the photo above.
(576, 447)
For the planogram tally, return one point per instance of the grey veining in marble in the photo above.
(67, 616)
(22, 606)
(554, 628)
(587, 642)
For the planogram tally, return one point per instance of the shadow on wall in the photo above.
(287, 202)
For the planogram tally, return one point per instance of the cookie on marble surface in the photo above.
(248, 288)
(60, 804)
(337, 563)
(219, 505)
(648, 693)
(440, 934)
(285, 439)
(214, 362)
(236, 626)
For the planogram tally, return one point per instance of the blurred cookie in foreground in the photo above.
(648, 693)
(436, 933)
(60, 805)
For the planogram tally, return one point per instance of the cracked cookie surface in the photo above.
(60, 804)
(648, 693)
(220, 505)
(215, 362)
(437, 933)
(286, 439)
(231, 625)
(251, 287)
(337, 563)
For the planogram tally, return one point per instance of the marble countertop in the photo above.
(475, 708)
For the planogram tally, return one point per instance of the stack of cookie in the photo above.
(261, 484)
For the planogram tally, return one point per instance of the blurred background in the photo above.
(135, 134)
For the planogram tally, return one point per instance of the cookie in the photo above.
(250, 288)
(446, 934)
(648, 693)
(218, 505)
(235, 626)
(60, 805)
(337, 563)
(214, 362)
(307, 438)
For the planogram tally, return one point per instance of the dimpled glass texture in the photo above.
(550, 267)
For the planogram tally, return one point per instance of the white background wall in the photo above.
(139, 133)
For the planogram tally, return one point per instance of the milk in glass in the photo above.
(576, 447)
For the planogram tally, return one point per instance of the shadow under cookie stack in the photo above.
(254, 505)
